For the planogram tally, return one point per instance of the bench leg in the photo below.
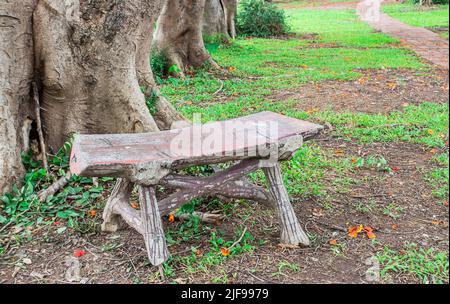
(291, 231)
(120, 195)
(155, 240)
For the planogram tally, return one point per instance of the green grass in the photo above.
(416, 15)
(341, 27)
(426, 265)
(260, 66)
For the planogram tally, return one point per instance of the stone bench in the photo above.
(250, 143)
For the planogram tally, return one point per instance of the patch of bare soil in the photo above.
(377, 91)
(121, 257)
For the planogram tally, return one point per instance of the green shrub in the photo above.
(259, 18)
(431, 1)
(158, 64)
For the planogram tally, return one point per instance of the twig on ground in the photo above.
(37, 109)
(211, 218)
(55, 187)
(239, 240)
(220, 89)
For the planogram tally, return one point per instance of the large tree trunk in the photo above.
(91, 62)
(16, 74)
(219, 18)
(179, 34)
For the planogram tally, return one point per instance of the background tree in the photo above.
(179, 35)
(219, 18)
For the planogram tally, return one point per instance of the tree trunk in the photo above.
(91, 62)
(16, 75)
(219, 18)
(179, 34)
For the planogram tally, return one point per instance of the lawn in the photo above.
(435, 17)
(384, 166)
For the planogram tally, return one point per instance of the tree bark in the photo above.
(87, 67)
(91, 60)
(219, 18)
(179, 35)
(16, 75)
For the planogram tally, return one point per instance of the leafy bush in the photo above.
(259, 18)
(158, 64)
(431, 2)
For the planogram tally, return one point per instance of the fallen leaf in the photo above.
(392, 85)
(339, 152)
(437, 222)
(288, 246)
(333, 242)
(317, 212)
(446, 203)
(394, 226)
(433, 151)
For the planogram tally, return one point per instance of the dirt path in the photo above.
(425, 43)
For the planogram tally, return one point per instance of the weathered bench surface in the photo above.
(110, 155)
(148, 159)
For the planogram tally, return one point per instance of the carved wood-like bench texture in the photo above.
(152, 159)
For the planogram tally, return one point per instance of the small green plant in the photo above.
(259, 18)
(378, 162)
(174, 69)
(72, 207)
(366, 207)
(426, 265)
(393, 211)
(283, 265)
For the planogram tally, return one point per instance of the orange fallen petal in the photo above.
(368, 229)
(360, 228)
(93, 213)
(353, 232)
(431, 132)
(333, 242)
(134, 205)
(225, 252)
(394, 226)
(171, 218)
(371, 235)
